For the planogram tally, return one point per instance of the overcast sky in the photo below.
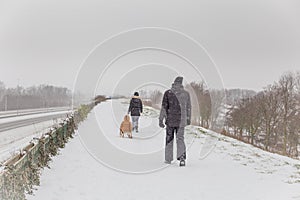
(252, 42)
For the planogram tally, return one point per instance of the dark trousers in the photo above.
(181, 149)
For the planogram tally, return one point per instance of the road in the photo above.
(16, 113)
(18, 130)
(35, 118)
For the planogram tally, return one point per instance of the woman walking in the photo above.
(135, 110)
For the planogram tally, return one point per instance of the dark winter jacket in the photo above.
(176, 107)
(136, 106)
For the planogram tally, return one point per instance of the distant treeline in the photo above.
(41, 96)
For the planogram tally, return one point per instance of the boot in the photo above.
(182, 163)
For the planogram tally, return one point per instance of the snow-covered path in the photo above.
(232, 171)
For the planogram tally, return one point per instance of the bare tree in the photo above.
(156, 96)
(217, 109)
(253, 116)
(287, 85)
(270, 109)
(200, 99)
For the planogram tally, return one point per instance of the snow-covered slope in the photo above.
(233, 170)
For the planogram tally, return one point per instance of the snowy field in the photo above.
(233, 170)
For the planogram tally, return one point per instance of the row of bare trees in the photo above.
(41, 96)
(271, 118)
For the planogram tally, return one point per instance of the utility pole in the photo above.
(18, 96)
(5, 107)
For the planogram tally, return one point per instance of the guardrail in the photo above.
(18, 113)
(21, 173)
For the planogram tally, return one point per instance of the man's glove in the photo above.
(161, 124)
(188, 121)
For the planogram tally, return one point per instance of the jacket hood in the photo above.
(178, 80)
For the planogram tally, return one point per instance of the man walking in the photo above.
(135, 109)
(176, 110)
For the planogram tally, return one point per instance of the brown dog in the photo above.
(126, 127)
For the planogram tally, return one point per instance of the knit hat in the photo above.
(136, 94)
(178, 80)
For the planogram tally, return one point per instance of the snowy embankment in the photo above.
(233, 170)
